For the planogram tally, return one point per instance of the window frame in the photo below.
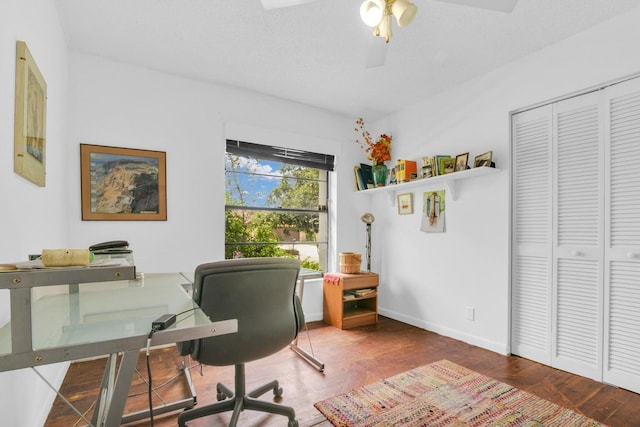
(292, 157)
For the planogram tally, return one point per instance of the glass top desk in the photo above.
(90, 318)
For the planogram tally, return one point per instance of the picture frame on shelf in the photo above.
(140, 175)
(462, 161)
(405, 203)
(30, 122)
(483, 160)
(436, 166)
(427, 171)
(446, 165)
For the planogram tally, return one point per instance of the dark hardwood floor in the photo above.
(352, 358)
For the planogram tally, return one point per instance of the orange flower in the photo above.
(378, 151)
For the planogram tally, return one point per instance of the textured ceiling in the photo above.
(316, 53)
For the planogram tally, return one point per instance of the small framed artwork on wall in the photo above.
(30, 123)
(122, 184)
(405, 203)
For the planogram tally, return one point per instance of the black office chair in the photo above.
(260, 293)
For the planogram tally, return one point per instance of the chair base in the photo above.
(239, 401)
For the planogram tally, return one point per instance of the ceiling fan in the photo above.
(276, 4)
(505, 6)
(498, 5)
(377, 14)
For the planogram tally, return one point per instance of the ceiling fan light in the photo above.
(371, 12)
(384, 29)
(404, 11)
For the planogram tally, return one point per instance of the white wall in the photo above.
(429, 279)
(120, 105)
(31, 217)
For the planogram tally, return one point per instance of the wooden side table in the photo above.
(350, 300)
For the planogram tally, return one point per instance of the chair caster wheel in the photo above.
(277, 392)
(293, 423)
(220, 394)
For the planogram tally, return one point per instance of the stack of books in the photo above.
(363, 175)
(359, 293)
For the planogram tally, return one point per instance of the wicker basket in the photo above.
(350, 262)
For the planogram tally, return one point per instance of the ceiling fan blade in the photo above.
(498, 5)
(276, 4)
(376, 52)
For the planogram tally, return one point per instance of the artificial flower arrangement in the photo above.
(378, 151)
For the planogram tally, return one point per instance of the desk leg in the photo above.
(186, 403)
(296, 348)
(114, 389)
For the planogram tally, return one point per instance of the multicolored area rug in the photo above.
(445, 394)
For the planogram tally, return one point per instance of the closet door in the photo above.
(622, 249)
(578, 236)
(531, 234)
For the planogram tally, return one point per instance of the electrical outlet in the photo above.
(471, 313)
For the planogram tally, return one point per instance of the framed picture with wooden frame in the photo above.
(122, 184)
(405, 203)
(483, 159)
(462, 161)
(30, 122)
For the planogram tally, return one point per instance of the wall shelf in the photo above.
(448, 181)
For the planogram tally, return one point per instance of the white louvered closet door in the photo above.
(531, 233)
(577, 311)
(622, 249)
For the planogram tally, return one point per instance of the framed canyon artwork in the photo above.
(122, 184)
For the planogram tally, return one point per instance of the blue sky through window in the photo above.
(256, 177)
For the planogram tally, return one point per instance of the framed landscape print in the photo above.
(122, 184)
(30, 122)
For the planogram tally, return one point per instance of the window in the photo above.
(276, 203)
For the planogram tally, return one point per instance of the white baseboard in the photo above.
(313, 317)
(501, 348)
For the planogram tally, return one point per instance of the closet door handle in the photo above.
(576, 252)
(632, 255)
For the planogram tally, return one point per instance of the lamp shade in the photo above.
(404, 11)
(367, 218)
(384, 28)
(371, 12)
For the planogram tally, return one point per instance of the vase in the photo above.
(379, 174)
